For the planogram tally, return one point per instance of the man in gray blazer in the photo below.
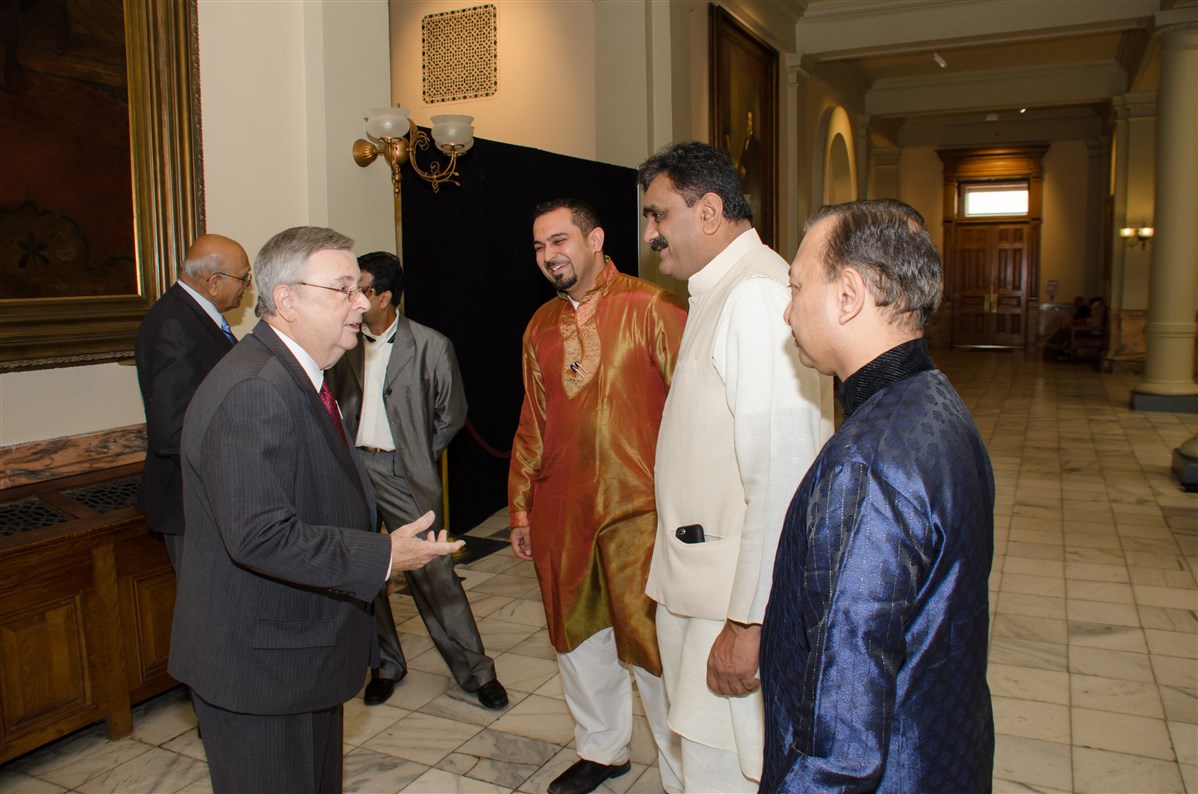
(272, 623)
(402, 396)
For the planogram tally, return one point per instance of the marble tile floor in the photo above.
(1094, 631)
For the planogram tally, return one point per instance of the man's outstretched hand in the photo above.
(409, 552)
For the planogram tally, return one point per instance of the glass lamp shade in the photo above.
(387, 122)
(1145, 232)
(1127, 231)
(453, 130)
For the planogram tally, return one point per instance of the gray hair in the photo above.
(201, 267)
(282, 260)
(696, 169)
(886, 242)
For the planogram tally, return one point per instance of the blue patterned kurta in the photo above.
(873, 654)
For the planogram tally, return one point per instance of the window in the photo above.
(1008, 198)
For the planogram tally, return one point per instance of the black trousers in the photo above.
(256, 753)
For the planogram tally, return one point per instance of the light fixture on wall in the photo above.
(397, 138)
(393, 135)
(1136, 235)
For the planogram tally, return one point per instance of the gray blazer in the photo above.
(424, 400)
(283, 555)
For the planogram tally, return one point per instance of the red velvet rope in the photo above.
(487, 448)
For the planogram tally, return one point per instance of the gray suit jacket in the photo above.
(424, 400)
(283, 555)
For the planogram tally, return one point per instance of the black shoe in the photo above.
(585, 776)
(492, 694)
(379, 689)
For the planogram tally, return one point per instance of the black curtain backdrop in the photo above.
(471, 274)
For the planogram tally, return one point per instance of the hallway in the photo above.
(1094, 631)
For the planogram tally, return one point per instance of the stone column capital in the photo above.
(1177, 27)
(1133, 106)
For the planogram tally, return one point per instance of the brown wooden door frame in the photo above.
(993, 302)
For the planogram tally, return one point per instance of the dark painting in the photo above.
(66, 192)
(744, 114)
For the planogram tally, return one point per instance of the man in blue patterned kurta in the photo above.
(873, 650)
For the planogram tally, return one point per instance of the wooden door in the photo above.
(992, 263)
(1009, 302)
(991, 284)
(974, 268)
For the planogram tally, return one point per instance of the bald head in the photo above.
(217, 268)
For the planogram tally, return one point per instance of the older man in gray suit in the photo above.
(272, 625)
(402, 396)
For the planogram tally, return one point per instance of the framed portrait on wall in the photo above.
(744, 113)
(101, 189)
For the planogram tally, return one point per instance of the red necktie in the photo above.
(330, 405)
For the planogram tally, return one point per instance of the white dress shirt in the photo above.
(373, 428)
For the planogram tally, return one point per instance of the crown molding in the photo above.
(856, 28)
(1025, 86)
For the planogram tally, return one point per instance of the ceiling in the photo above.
(949, 71)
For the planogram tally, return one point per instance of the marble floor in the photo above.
(1094, 633)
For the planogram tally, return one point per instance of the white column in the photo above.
(1173, 275)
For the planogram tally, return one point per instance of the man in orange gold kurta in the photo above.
(598, 360)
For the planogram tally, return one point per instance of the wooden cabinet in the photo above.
(86, 598)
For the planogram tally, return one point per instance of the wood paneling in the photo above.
(85, 617)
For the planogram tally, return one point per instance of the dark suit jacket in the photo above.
(283, 556)
(177, 345)
(424, 400)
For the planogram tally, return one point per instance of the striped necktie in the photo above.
(224, 326)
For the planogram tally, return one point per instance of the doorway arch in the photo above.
(835, 172)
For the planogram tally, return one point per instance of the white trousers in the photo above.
(722, 737)
(706, 770)
(599, 694)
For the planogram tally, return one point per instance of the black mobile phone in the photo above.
(691, 533)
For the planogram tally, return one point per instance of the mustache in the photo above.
(659, 243)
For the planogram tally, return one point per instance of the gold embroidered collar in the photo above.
(580, 334)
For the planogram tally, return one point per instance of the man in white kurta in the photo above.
(742, 422)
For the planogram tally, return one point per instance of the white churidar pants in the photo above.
(599, 694)
(722, 737)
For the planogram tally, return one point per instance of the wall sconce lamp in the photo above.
(394, 136)
(1133, 235)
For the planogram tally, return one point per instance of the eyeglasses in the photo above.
(247, 279)
(368, 291)
(349, 292)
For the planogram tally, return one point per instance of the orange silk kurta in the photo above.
(595, 382)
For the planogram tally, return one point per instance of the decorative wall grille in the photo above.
(459, 54)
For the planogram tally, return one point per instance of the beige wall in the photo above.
(921, 177)
(546, 81)
(66, 402)
(1063, 234)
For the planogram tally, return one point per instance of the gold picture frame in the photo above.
(744, 113)
(162, 53)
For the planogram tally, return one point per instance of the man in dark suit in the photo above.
(181, 338)
(403, 400)
(272, 625)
